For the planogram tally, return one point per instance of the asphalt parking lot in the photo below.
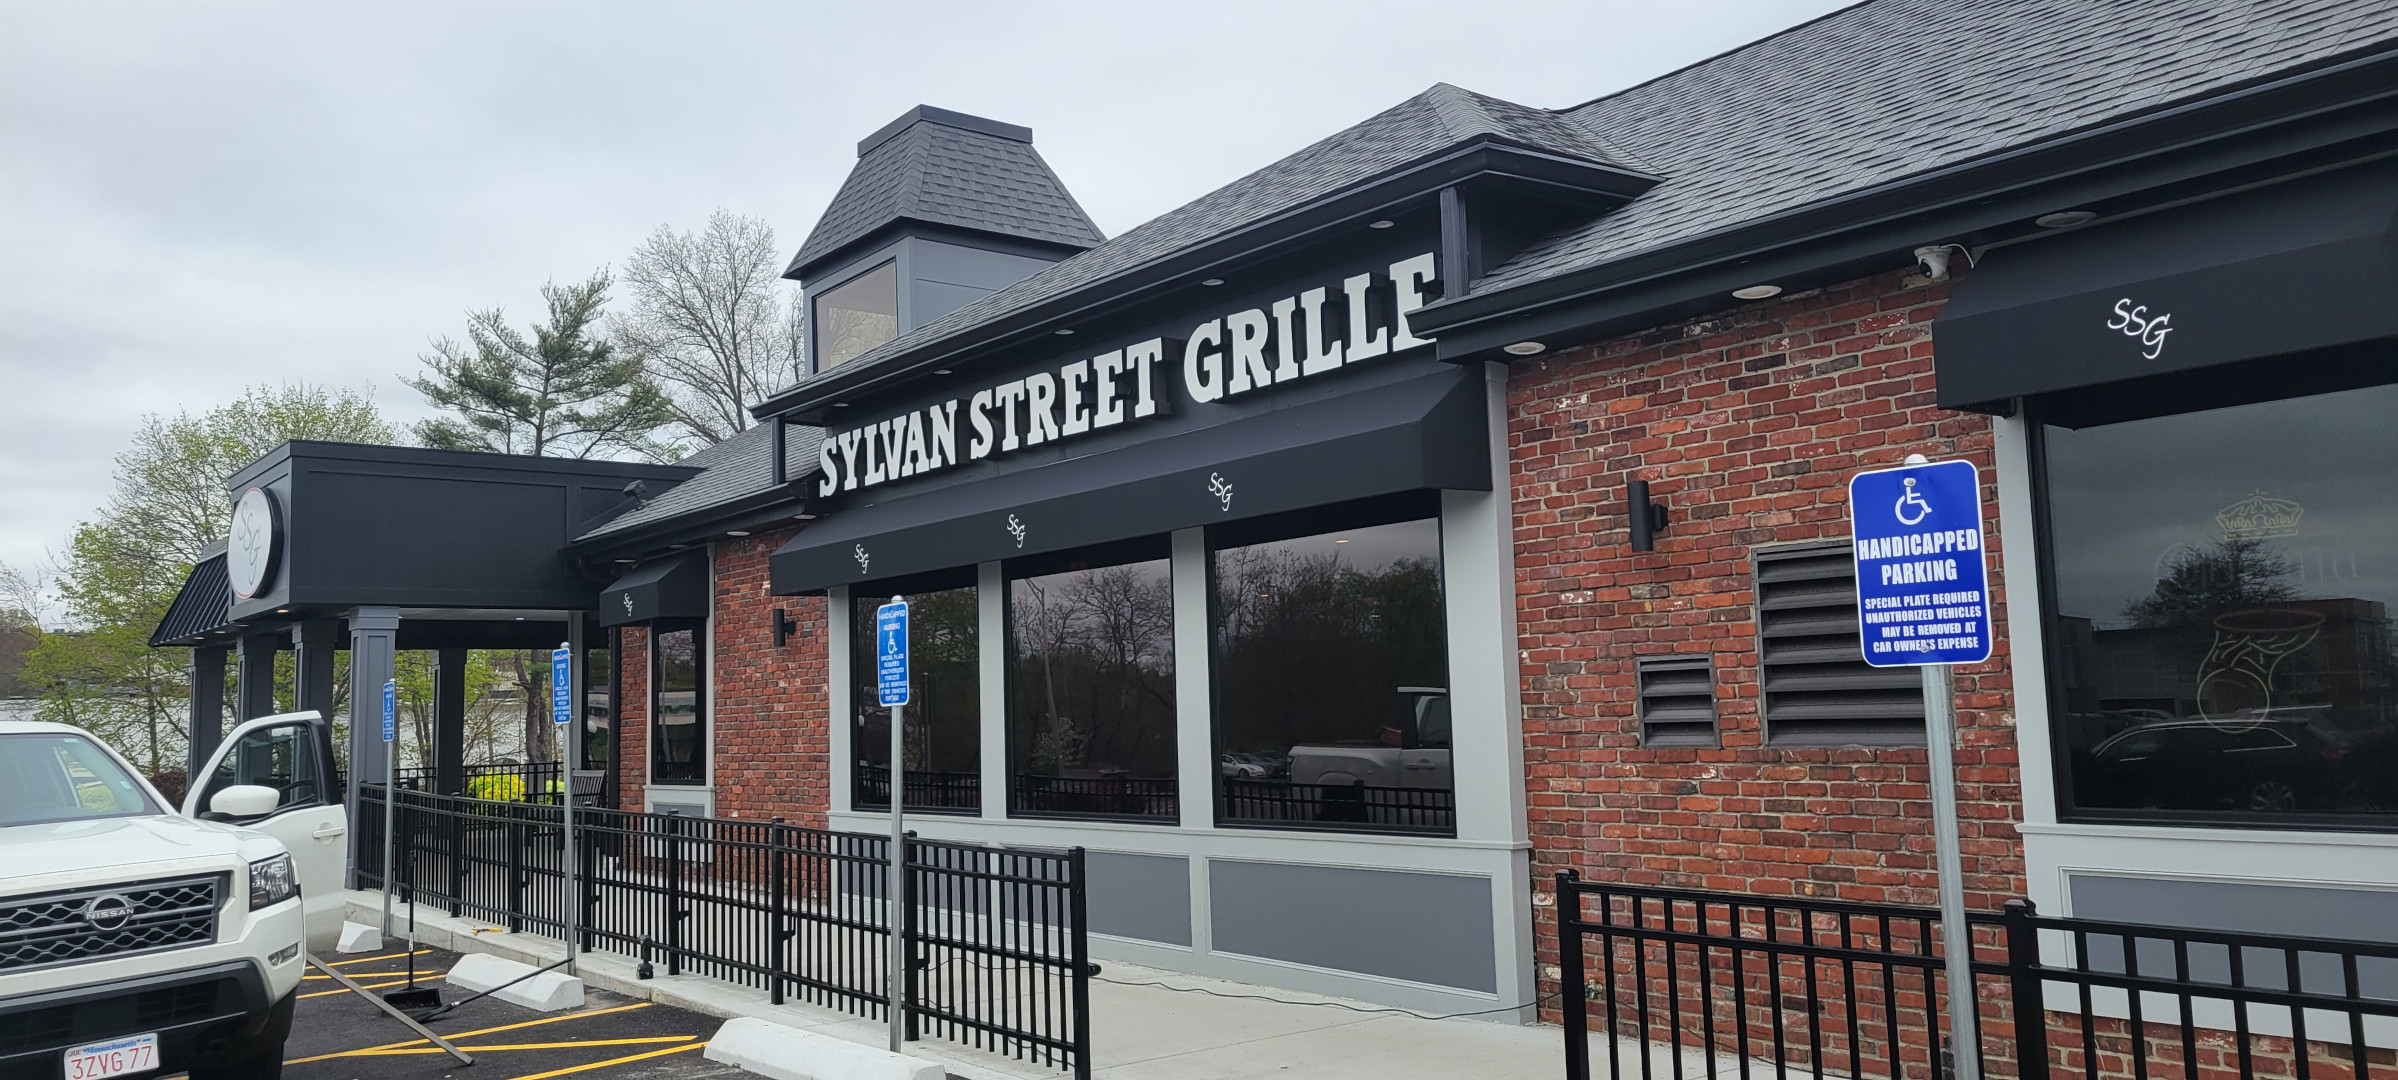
(337, 1036)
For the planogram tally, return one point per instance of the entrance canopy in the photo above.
(1421, 433)
(675, 587)
(2295, 267)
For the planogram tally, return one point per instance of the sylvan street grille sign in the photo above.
(1315, 332)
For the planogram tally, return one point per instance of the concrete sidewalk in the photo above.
(1139, 1031)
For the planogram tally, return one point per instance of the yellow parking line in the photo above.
(478, 1031)
(429, 976)
(611, 1061)
(372, 959)
(644, 1041)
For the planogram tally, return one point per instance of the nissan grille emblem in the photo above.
(108, 912)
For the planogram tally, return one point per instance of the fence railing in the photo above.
(1127, 796)
(925, 790)
(997, 938)
(531, 782)
(1431, 811)
(1687, 983)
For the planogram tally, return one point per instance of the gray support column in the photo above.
(312, 667)
(255, 697)
(990, 640)
(449, 722)
(208, 708)
(841, 717)
(374, 638)
(1195, 720)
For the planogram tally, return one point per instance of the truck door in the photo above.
(292, 753)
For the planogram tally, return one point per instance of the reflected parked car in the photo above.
(2275, 761)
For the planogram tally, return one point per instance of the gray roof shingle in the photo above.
(949, 169)
(1884, 90)
(733, 469)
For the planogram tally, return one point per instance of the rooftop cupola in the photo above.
(941, 210)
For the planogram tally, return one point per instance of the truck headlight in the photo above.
(272, 881)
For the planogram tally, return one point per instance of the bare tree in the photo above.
(708, 322)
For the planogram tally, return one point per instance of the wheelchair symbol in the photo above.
(1922, 509)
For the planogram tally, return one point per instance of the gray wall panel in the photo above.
(1140, 896)
(1428, 928)
(2243, 907)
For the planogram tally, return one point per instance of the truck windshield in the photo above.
(59, 777)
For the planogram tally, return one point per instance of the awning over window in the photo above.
(2304, 265)
(1420, 434)
(675, 587)
(201, 613)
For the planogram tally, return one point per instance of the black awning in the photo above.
(675, 587)
(2299, 266)
(1424, 433)
(202, 610)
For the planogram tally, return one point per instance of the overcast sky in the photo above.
(195, 197)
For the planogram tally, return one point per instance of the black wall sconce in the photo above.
(784, 624)
(1648, 518)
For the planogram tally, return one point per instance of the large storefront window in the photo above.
(2223, 585)
(1091, 685)
(944, 711)
(678, 696)
(599, 710)
(1332, 705)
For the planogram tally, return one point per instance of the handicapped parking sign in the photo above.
(891, 653)
(1923, 580)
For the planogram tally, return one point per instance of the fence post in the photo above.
(908, 935)
(456, 831)
(774, 906)
(1079, 909)
(1572, 990)
(516, 869)
(2024, 987)
(587, 887)
(674, 894)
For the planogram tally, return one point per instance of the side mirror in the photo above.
(245, 801)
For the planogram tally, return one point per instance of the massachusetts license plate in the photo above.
(116, 1057)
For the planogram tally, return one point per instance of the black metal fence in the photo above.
(531, 782)
(1431, 811)
(925, 790)
(1687, 983)
(997, 938)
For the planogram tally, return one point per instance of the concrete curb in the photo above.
(784, 1053)
(515, 981)
(710, 997)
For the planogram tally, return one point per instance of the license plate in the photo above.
(116, 1057)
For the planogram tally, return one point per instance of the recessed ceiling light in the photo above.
(520, 618)
(1382, 224)
(840, 404)
(2065, 219)
(1757, 292)
(1525, 348)
(940, 371)
(736, 532)
(282, 611)
(1065, 331)
(1212, 282)
(1340, 541)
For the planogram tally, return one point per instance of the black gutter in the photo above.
(1482, 156)
(2340, 106)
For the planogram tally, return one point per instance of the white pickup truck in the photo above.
(139, 938)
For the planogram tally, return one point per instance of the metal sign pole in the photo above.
(564, 664)
(891, 690)
(391, 746)
(1939, 715)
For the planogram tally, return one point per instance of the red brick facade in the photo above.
(1747, 425)
(767, 706)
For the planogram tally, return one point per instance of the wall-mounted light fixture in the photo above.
(784, 626)
(1648, 518)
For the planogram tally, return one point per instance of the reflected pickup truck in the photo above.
(1413, 756)
(140, 938)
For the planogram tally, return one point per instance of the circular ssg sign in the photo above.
(255, 544)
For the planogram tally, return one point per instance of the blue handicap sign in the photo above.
(391, 705)
(562, 691)
(1923, 582)
(891, 653)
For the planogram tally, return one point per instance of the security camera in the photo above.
(1934, 260)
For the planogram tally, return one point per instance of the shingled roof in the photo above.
(947, 168)
(733, 469)
(1868, 94)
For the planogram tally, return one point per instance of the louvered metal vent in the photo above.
(1677, 701)
(89, 924)
(1818, 689)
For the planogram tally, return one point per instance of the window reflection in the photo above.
(1091, 691)
(679, 746)
(599, 714)
(944, 711)
(2223, 584)
(1332, 677)
(859, 315)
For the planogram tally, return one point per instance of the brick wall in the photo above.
(770, 739)
(1747, 425)
(632, 718)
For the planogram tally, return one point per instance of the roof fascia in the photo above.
(1480, 157)
(699, 525)
(2346, 103)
